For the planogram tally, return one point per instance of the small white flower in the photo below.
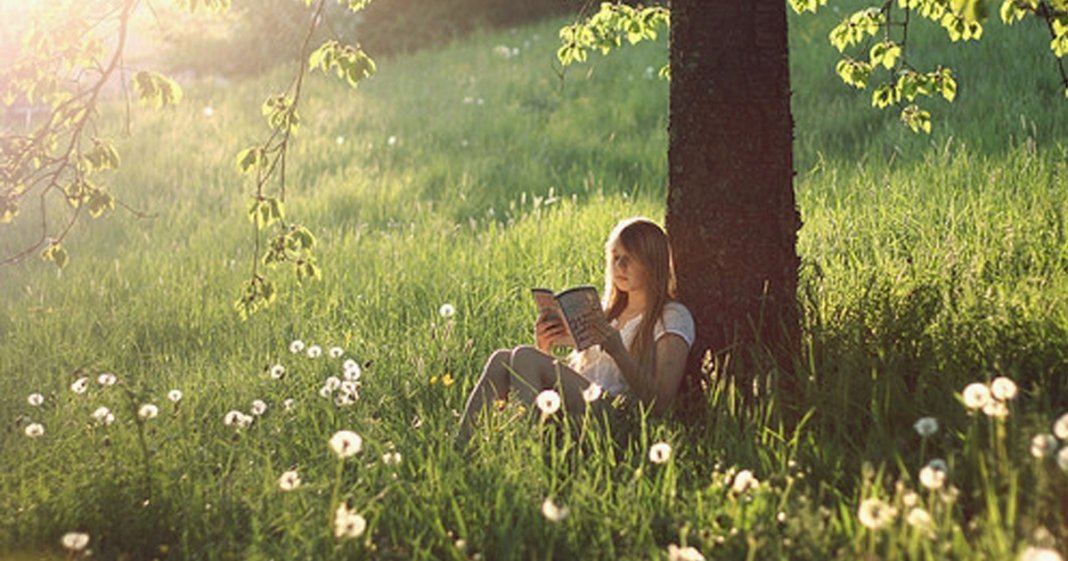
(289, 480)
(296, 346)
(1040, 554)
(106, 379)
(933, 475)
(325, 391)
(344, 399)
(926, 426)
(919, 518)
(336, 352)
(34, 430)
(1043, 445)
(345, 443)
(350, 387)
(447, 310)
(1060, 427)
(80, 385)
(287, 404)
(259, 407)
(996, 409)
(744, 481)
(235, 418)
(314, 351)
(659, 452)
(348, 524)
(553, 512)
(35, 399)
(688, 553)
(352, 370)
(103, 416)
(1062, 458)
(975, 395)
(548, 401)
(391, 458)
(174, 395)
(147, 411)
(591, 393)
(333, 382)
(1003, 388)
(392, 140)
(277, 371)
(875, 513)
(910, 499)
(75, 541)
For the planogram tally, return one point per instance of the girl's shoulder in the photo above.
(676, 308)
(675, 319)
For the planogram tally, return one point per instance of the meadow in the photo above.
(440, 192)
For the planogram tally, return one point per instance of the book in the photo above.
(581, 311)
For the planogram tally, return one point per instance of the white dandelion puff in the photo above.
(259, 407)
(392, 140)
(75, 541)
(447, 310)
(1062, 459)
(147, 411)
(919, 518)
(975, 395)
(235, 418)
(208, 111)
(350, 387)
(287, 404)
(296, 346)
(34, 430)
(346, 443)
(875, 513)
(336, 352)
(315, 351)
(391, 458)
(344, 399)
(333, 382)
(1040, 554)
(106, 379)
(325, 391)
(277, 371)
(1043, 445)
(552, 511)
(174, 395)
(659, 452)
(688, 553)
(348, 524)
(103, 416)
(910, 499)
(1003, 388)
(351, 370)
(35, 399)
(339, 140)
(744, 481)
(926, 426)
(933, 475)
(80, 385)
(289, 480)
(591, 393)
(1060, 427)
(996, 408)
(548, 402)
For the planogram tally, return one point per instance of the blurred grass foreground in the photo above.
(138, 411)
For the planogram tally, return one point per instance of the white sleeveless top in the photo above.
(601, 369)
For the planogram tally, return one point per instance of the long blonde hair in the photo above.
(646, 242)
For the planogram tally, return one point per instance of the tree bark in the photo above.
(731, 212)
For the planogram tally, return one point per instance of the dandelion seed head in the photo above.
(447, 310)
(933, 475)
(103, 416)
(975, 395)
(259, 407)
(325, 391)
(289, 480)
(106, 379)
(688, 553)
(1040, 554)
(910, 499)
(174, 395)
(348, 524)
(80, 385)
(996, 409)
(659, 452)
(391, 458)
(591, 393)
(744, 481)
(315, 351)
(344, 399)
(552, 511)
(287, 404)
(346, 443)
(75, 541)
(351, 369)
(147, 411)
(1060, 427)
(336, 352)
(926, 426)
(34, 430)
(333, 382)
(548, 401)
(235, 418)
(208, 111)
(277, 371)
(296, 346)
(919, 518)
(339, 140)
(875, 513)
(1062, 459)
(35, 399)
(1043, 445)
(1003, 388)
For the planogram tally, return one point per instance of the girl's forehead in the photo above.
(617, 247)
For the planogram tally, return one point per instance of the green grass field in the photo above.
(460, 176)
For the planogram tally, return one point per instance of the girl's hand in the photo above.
(611, 340)
(549, 331)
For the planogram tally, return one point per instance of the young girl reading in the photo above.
(643, 350)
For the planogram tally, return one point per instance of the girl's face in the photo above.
(628, 273)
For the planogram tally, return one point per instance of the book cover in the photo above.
(580, 308)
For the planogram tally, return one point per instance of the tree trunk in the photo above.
(731, 212)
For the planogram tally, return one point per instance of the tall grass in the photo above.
(462, 176)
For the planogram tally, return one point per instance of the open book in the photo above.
(579, 307)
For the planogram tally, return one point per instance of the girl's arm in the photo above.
(660, 386)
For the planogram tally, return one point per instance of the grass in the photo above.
(930, 262)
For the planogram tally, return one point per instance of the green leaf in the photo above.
(102, 156)
(801, 6)
(251, 158)
(56, 254)
(883, 96)
(156, 90)
(917, 119)
(353, 5)
(99, 202)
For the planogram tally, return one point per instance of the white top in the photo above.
(601, 369)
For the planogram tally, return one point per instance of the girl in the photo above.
(643, 352)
